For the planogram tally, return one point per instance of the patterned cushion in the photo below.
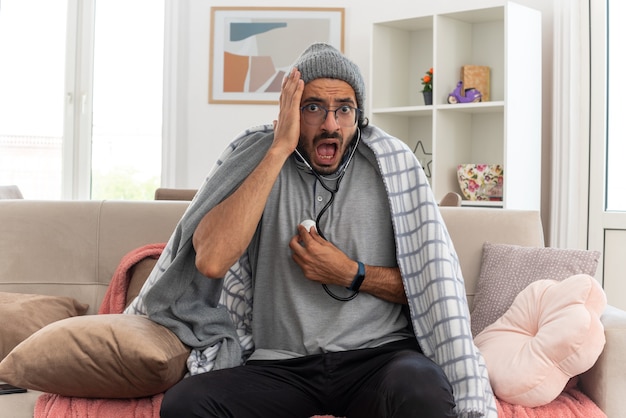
(508, 269)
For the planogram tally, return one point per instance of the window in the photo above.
(616, 107)
(127, 99)
(32, 78)
(81, 104)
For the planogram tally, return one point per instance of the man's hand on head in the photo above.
(287, 126)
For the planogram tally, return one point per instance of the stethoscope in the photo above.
(332, 191)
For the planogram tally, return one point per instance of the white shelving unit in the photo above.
(505, 130)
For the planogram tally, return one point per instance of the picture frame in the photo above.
(252, 48)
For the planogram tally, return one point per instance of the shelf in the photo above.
(405, 110)
(482, 203)
(480, 107)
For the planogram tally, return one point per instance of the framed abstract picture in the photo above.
(252, 48)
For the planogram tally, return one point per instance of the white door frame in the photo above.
(606, 229)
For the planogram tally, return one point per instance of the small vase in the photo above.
(428, 97)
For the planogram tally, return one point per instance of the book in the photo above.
(477, 77)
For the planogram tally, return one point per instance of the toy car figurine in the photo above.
(471, 95)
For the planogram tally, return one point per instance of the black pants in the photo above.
(395, 380)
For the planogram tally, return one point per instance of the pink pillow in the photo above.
(551, 333)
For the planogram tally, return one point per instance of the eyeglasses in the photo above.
(314, 114)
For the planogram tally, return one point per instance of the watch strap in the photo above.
(358, 279)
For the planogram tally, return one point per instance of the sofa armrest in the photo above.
(605, 382)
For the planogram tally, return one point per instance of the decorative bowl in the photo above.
(481, 181)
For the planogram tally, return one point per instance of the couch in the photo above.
(72, 248)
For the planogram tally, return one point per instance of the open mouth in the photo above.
(326, 152)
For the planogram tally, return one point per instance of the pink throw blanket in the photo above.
(572, 403)
(57, 406)
(114, 301)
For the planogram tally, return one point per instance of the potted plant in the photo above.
(427, 91)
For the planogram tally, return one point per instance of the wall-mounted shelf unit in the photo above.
(505, 130)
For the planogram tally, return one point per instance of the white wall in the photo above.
(202, 130)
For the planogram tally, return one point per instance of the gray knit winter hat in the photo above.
(321, 60)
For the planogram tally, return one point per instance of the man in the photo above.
(331, 335)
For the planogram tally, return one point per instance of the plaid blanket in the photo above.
(218, 325)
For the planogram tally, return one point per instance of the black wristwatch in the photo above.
(358, 279)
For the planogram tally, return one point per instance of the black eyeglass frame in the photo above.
(326, 111)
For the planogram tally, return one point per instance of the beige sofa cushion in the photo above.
(471, 227)
(24, 314)
(101, 356)
(138, 275)
(83, 243)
